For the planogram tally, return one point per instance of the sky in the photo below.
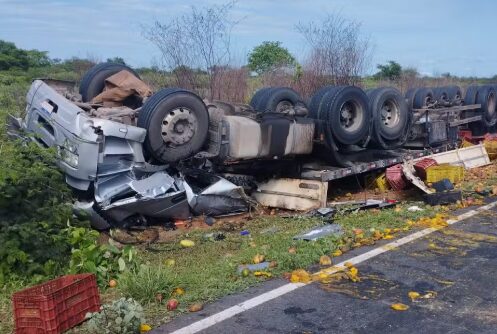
(434, 36)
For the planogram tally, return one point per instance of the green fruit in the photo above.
(245, 272)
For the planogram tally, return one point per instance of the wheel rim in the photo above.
(283, 106)
(351, 116)
(491, 103)
(427, 100)
(390, 114)
(178, 127)
(444, 97)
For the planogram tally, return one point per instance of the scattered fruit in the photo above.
(358, 231)
(145, 328)
(263, 273)
(399, 307)
(245, 272)
(348, 265)
(186, 243)
(172, 304)
(325, 260)
(170, 262)
(196, 307)
(337, 253)
(273, 264)
(159, 297)
(388, 237)
(178, 292)
(292, 250)
(112, 283)
(413, 295)
(353, 273)
(300, 276)
(258, 259)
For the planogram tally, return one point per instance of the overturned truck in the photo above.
(138, 157)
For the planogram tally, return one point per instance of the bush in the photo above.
(34, 209)
(122, 316)
(106, 260)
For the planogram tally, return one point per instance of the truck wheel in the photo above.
(348, 114)
(279, 99)
(315, 101)
(93, 82)
(254, 102)
(470, 96)
(423, 98)
(411, 92)
(390, 115)
(488, 99)
(177, 124)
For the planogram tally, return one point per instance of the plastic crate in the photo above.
(491, 147)
(421, 166)
(55, 306)
(437, 173)
(395, 177)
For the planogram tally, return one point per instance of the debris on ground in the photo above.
(320, 232)
(414, 208)
(253, 267)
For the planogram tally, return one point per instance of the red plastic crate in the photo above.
(395, 177)
(56, 305)
(422, 165)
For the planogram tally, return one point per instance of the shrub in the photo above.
(106, 260)
(34, 209)
(122, 316)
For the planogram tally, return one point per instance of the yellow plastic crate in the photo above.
(374, 181)
(381, 182)
(491, 147)
(466, 143)
(436, 173)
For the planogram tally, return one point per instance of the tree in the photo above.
(199, 39)
(339, 52)
(38, 58)
(12, 57)
(268, 56)
(391, 70)
(117, 60)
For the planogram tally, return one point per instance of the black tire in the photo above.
(347, 112)
(390, 116)
(470, 95)
(487, 97)
(180, 106)
(93, 81)
(411, 92)
(278, 99)
(254, 102)
(422, 98)
(315, 101)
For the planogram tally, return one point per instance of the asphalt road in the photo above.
(456, 265)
